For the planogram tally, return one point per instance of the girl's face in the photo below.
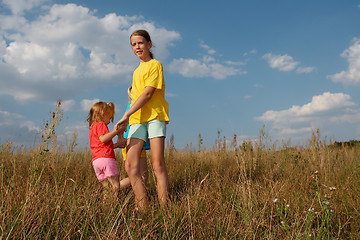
(141, 47)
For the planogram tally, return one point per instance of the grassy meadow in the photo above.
(259, 190)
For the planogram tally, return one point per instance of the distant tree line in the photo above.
(351, 143)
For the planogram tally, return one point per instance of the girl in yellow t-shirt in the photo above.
(147, 117)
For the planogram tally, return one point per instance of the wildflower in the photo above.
(287, 205)
(282, 222)
(316, 172)
(310, 209)
(275, 200)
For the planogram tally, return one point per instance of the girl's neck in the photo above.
(147, 59)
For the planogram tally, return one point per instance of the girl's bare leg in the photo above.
(157, 146)
(111, 191)
(115, 184)
(105, 185)
(132, 167)
(125, 183)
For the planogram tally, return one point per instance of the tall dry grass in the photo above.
(254, 191)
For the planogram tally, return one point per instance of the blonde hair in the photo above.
(98, 110)
(129, 93)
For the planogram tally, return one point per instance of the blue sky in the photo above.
(230, 66)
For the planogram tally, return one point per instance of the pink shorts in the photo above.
(104, 168)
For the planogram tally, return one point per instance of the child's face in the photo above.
(141, 47)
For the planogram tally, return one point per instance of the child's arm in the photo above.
(108, 136)
(121, 142)
(144, 98)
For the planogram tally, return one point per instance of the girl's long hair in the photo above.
(129, 93)
(98, 110)
(144, 34)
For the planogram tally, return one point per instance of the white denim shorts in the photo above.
(151, 129)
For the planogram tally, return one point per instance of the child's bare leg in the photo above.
(115, 184)
(132, 167)
(111, 190)
(105, 185)
(124, 183)
(158, 161)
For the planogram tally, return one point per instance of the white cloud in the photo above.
(18, 6)
(80, 130)
(67, 50)
(285, 63)
(351, 76)
(207, 66)
(8, 119)
(67, 105)
(193, 68)
(329, 111)
(305, 69)
(235, 63)
(207, 48)
(86, 104)
(253, 51)
(16, 126)
(208, 59)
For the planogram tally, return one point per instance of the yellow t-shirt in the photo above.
(149, 74)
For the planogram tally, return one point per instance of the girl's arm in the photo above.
(108, 136)
(144, 98)
(121, 142)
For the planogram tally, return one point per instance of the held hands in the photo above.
(121, 141)
(120, 128)
(121, 125)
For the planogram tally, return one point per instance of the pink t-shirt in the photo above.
(99, 149)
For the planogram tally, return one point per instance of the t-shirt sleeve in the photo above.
(101, 129)
(156, 77)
